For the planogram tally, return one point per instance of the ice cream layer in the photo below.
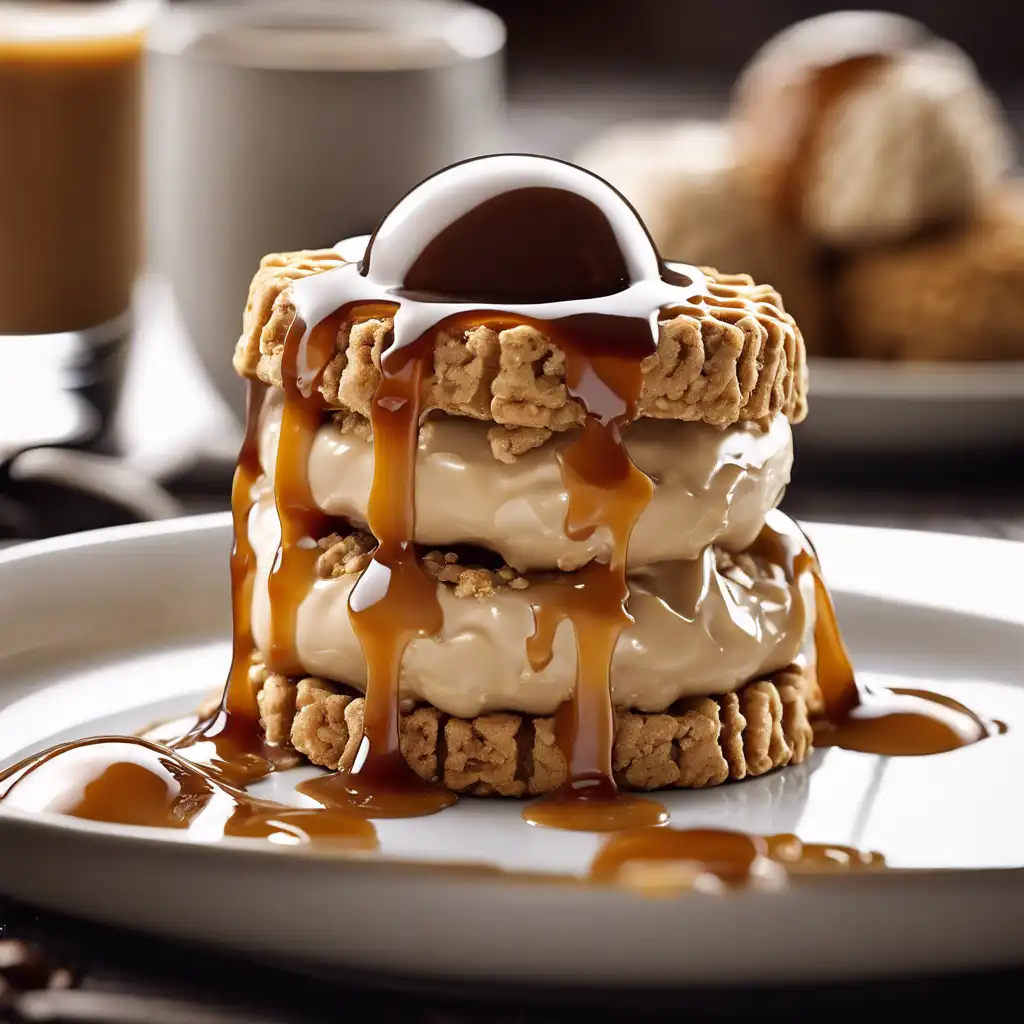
(696, 632)
(712, 486)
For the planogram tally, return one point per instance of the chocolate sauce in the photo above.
(130, 781)
(893, 723)
(658, 858)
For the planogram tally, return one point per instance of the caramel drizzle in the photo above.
(666, 858)
(893, 723)
(617, 284)
(131, 781)
(606, 492)
(303, 362)
(393, 602)
(231, 743)
(825, 89)
(605, 339)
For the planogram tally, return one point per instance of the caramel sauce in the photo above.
(606, 491)
(595, 288)
(130, 781)
(231, 743)
(825, 88)
(393, 602)
(674, 859)
(892, 723)
(305, 357)
(820, 858)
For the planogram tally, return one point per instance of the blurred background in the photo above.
(153, 151)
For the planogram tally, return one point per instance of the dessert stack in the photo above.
(547, 459)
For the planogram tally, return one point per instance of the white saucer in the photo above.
(862, 405)
(109, 631)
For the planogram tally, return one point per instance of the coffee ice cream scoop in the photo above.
(683, 179)
(865, 128)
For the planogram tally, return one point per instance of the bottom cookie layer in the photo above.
(700, 742)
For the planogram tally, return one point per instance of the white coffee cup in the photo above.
(274, 126)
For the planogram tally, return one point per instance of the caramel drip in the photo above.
(606, 492)
(893, 723)
(393, 602)
(665, 858)
(905, 723)
(303, 362)
(815, 858)
(599, 300)
(783, 543)
(230, 743)
(131, 781)
(825, 88)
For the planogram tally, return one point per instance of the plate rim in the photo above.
(941, 382)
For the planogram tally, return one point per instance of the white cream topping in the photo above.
(712, 486)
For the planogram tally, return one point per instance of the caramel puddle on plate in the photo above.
(666, 861)
(890, 723)
(130, 781)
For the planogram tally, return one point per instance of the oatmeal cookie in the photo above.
(699, 742)
(954, 296)
(743, 359)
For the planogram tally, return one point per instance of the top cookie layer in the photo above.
(742, 359)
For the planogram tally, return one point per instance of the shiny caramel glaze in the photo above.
(130, 781)
(231, 742)
(666, 858)
(605, 491)
(306, 354)
(393, 602)
(892, 723)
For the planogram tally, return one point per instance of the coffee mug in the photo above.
(274, 126)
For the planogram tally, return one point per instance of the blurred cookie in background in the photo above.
(864, 127)
(954, 295)
(682, 178)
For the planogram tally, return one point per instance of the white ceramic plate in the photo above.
(868, 406)
(106, 632)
